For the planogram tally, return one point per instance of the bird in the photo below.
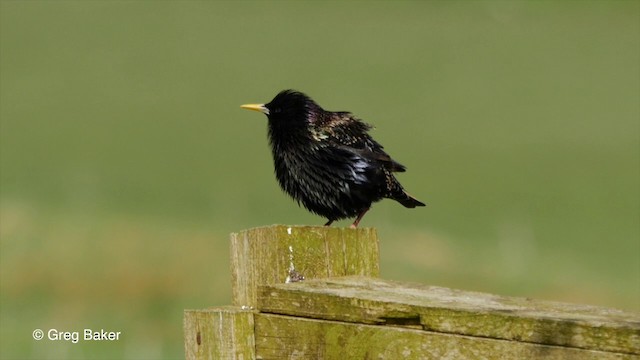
(327, 161)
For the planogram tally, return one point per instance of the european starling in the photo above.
(327, 161)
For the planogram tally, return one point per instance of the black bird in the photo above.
(327, 161)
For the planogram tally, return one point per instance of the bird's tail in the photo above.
(408, 200)
(397, 193)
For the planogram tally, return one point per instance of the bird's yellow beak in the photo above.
(256, 107)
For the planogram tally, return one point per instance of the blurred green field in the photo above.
(125, 159)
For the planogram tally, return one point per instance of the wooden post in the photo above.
(305, 292)
(219, 333)
(278, 254)
(273, 255)
(430, 322)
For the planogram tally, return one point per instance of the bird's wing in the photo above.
(350, 133)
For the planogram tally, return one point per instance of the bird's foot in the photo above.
(329, 223)
(357, 221)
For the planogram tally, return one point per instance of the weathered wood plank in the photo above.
(284, 337)
(269, 255)
(219, 333)
(376, 301)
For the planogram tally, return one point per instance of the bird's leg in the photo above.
(357, 221)
(328, 223)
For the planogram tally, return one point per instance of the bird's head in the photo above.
(289, 109)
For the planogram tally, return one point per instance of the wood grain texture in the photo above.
(313, 293)
(375, 301)
(219, 333)
(284, 337)
(267, 255)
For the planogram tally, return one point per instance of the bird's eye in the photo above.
(277, 110)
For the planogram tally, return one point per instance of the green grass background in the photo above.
(126, 161)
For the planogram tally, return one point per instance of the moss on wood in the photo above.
(267, 255)
(285, 337)
(219, 333)
(376, 301)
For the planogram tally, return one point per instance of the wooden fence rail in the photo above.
(314, 293)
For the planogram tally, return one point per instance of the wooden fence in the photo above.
(313, 293)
